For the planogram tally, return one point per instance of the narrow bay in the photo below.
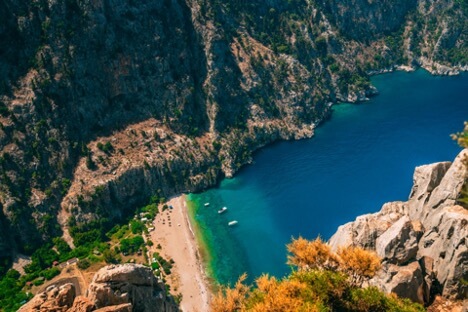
(362, 157)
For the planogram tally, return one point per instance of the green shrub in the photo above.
(51, 273)
(326, 285)
(136, 227)
(83, 264)
(106, 148)
(11, 294)
(131, 245)
(372, 299)
(42, 258)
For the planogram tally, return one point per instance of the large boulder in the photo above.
(425, 179)
(404, 281)
(399, 244)
(129, 283)
(82, 304)
(54, 298)
(116, 288)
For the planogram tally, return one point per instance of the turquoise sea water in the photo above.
(361, 158)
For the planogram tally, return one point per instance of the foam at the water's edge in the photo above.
(203, 249)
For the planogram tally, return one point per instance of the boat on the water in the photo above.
(222, 210)
(231, 223)
(207, 204)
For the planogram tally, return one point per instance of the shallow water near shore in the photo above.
(362, 157)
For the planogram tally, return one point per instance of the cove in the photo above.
(360, 158)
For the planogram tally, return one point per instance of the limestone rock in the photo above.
(82, 304)
(445, 241)
(425, 179)
(441, 304)
(129, 283)
(427, 267)
(404, 281)
(423, 241)
(428, 177)
(446, 193)
(116, 288)
(54, 298)
(399, 244)
(365, 229)
(126, 307)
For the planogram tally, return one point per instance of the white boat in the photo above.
(207, 204)
(222, 210)
(231, 223)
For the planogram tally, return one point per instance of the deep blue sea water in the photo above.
(361, 158)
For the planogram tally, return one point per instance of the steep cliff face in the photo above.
(422, 241)
(436, 35)
(367, 19)
(183, 91)
(78, 70)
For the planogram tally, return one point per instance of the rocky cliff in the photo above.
(423, 241)
(119, 288)
(102, 103)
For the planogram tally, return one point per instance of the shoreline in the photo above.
(174, 232)
(203, 250)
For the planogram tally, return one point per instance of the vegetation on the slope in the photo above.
(94, 242)
(11, 296)
(101, 235)
(462, 140)
(322, 280)
(462, 137)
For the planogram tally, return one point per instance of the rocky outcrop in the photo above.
(406, 281)
(123, 284)
(54, 298)
(422, 242)
(399, 243)
(367, 228)
(125, 307)
(82, 304)
(117, 288)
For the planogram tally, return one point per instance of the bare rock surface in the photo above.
(399, 244)
(128, 283)
(117, 288)
(422, 242)
(82, 304)
(54, 298)
(125, 307)
(404, 281)
(365, 229)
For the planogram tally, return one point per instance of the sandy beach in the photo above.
(174, 233)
